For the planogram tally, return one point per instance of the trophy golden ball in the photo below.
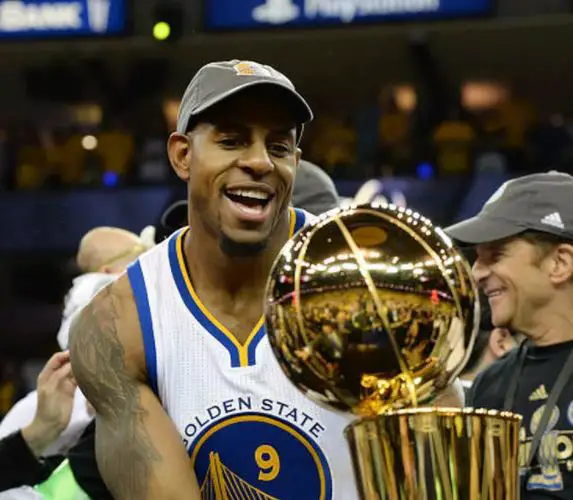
(371, 308)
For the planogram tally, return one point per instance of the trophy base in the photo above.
(436, 454)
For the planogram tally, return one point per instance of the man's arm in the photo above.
(139, 452)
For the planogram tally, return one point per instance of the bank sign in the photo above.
(42, 19)
(246, 14)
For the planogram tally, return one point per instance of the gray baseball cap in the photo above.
(217, 81)
(540, 202)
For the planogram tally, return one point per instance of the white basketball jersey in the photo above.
(250, 433)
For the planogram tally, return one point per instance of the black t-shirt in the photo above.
(553, 480)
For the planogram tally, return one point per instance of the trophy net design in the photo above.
(371, 310)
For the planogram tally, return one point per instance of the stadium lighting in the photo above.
(161, 31)
(89, 142)
(168, 22)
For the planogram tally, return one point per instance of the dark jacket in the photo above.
(19, 466)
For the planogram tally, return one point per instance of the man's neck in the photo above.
(550, 336)
(551, 326)
(211, 268)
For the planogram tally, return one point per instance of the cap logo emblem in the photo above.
(248, 68)
(554, 220)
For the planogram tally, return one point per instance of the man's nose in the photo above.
(480, 271)
(256, 159)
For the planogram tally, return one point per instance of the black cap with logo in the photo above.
(217, 81)
(540, 202)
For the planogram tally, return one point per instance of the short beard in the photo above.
(233, 249)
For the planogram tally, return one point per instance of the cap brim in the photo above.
(480, 229)
(303, 112)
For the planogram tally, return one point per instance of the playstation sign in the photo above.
(247, 14)
(61, 18)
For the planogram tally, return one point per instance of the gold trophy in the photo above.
(371, 310)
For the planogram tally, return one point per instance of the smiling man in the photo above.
(174, 357)
(523, 238)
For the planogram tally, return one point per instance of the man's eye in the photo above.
(280, 149)
(497, 254)
(230, 142)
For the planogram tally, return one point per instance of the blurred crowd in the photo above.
(113, 153)
(396, 136)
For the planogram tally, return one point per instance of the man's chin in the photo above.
(501, 320)
(237, 248)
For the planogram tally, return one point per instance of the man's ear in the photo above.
(562, 264)
(298, 156)
(179, 153)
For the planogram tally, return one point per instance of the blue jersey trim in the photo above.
(135, 275)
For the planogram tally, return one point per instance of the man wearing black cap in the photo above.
(173, 355)
(523, 239)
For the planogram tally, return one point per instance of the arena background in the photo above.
(435, 101)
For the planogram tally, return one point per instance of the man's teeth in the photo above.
(249, 193)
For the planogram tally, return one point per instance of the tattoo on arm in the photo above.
(124, 450)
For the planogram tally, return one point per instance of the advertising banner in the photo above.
(249, 14)
(26, 19)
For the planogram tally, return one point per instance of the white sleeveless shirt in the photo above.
(249, 432)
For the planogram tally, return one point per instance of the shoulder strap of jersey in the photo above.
(301, 218)
(140, 295)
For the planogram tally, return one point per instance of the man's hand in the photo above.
(56, 391)
(452, 397)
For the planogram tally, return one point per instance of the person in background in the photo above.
(116, 147)
(515, 119)
(152, 165)
(523, 237)
(20, 451)
(314, 190)
(31, 162)
(394, 134)
(454, 139)
(64, 154)
(103, 254)
(334, 144)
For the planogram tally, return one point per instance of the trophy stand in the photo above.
(436, 454)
